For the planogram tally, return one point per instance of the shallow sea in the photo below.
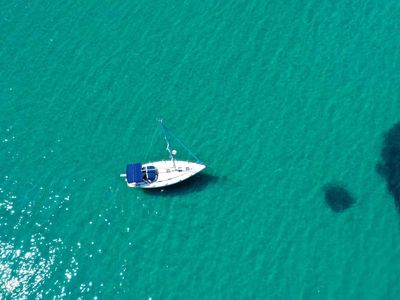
(279, 99)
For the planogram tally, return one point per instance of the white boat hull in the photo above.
(168, 174)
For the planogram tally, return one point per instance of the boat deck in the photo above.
(168, 174)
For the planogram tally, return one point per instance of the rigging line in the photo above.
(166, 138)
(183, 145)
(165, 131)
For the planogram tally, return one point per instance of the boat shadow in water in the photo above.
(389, 166)
(338, 197)
(194, 184)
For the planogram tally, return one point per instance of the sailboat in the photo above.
(162, 173)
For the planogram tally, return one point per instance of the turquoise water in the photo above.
(278, 99)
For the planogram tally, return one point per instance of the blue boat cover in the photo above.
(134, 173)
(151, 173)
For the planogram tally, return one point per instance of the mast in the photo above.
(171, 155)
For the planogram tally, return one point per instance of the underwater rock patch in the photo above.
(338, 198)
(389, 166)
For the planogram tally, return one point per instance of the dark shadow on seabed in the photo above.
(389, 166)
(337, 197)
(194, 184)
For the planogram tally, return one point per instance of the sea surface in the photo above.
(278, 98)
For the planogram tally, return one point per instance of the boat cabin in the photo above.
(135, 173)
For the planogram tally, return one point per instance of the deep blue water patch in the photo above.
(338, 197)
(389, 166)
